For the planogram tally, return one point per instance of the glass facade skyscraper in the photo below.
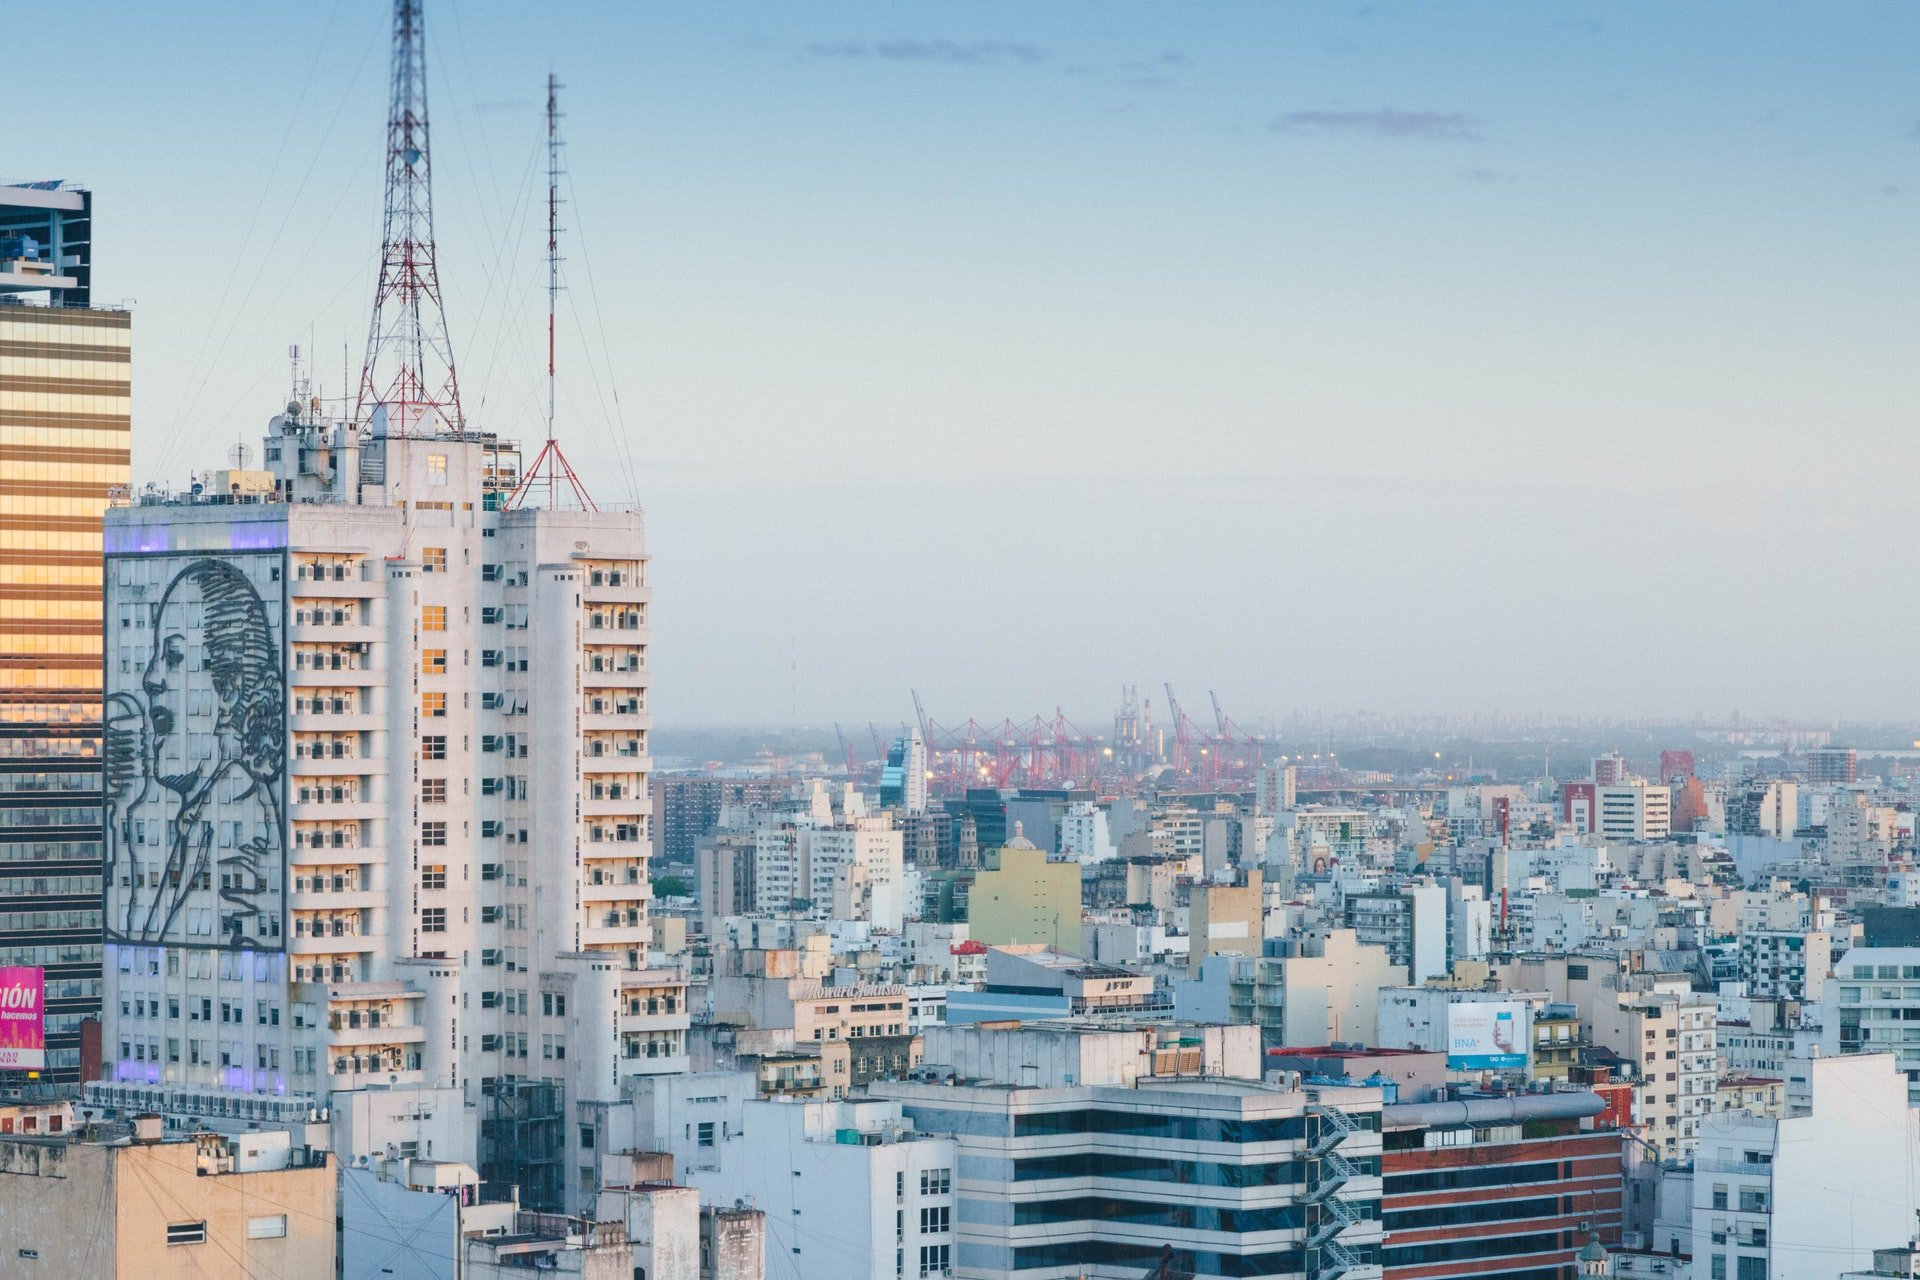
(65, 427)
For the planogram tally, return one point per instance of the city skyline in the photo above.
(1544, 362)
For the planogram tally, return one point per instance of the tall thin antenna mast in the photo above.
(409, 365)
(551, 469)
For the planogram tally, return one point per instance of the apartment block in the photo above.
(378, 794)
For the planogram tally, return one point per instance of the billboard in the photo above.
(1488, 1035)
(196, 734)
(23, 1018)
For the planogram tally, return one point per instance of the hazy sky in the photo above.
(1393, 356)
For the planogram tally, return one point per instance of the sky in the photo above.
(1399, 357)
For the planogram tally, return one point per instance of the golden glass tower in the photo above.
(65, 428)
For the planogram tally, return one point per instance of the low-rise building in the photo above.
(83, 1205)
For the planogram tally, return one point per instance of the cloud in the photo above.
(1483, 176)
(1158, 62)
(1387, 122)
(975, 53)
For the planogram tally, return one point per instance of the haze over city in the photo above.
(1531, 359)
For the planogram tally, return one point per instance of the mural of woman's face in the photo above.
(161, 675)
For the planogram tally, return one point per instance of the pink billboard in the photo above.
(23, 1018)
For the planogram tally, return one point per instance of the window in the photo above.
(433, 662)
(934, 1259)
(433, 746)
(433, 617)
(586, 1137)
(436, 468)
(186, 1233)
(433, 559)
(433, 920)
(1719, 1267)
(1750, 1269)
(936, 1182)
(433, 791)
(433, 835)
(433, 704)
(433, 876)
(706, 1133)
(271, 1227)
(933, 1220)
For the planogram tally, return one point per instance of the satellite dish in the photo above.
(239, 457)
(293, 408)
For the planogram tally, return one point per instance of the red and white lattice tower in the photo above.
(551, 473)
(409, 366)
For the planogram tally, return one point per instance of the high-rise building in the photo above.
(1832, 766)
(377, 796)
(903, 775)
(65, 424)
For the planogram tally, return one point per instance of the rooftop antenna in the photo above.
(409, 366)
(551, 468)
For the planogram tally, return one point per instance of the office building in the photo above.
(1634, 811)
(65, 419)
(1510, 1186)
(903, 775)
(1210, 1177)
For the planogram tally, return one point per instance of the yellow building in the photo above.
(65, 428)
(207, 1208)
(1026, 895)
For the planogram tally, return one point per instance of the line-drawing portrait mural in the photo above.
(196, 761)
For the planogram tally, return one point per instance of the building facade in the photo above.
(1497, 1187)
(1213, 1178)
(379, 807)
(65, 429)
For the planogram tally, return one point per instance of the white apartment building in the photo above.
(378, 804)
(1084, 833)
(1814, 1193)
(1785, 964)
(851, 1190)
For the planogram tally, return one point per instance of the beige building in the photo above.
(1225, 919)
(1324, 990)
(1671, 1039)
(1027, 897)
(208, 1208)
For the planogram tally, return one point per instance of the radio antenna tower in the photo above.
(409, 365)
(551, 470)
